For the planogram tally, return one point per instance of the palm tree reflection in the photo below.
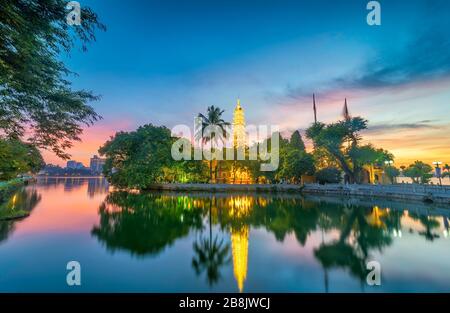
(210, 254)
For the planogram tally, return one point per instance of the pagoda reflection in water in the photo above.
(240, 207)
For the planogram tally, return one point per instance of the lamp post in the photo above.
(438, 170)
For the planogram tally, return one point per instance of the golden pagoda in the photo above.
(237, 174)
(239, 134)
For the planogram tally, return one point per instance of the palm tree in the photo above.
(447, 168)
(210, 123)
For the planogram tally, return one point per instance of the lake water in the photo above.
(173, 242)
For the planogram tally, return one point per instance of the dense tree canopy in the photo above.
(37, 102)
(328, 175)
(137, 159)
(419, 172)
(392, 172)
(342, 142)
(17, 157)
(297, 141)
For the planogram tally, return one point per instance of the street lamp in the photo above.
(438, 170)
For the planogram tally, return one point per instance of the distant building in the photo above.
(74, 165)
(96, 164)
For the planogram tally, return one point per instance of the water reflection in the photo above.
(22, 200)
(352, 231)
(95, 185)
(145, 224)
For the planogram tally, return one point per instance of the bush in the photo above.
(329, 175)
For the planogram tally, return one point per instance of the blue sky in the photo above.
(162, 62)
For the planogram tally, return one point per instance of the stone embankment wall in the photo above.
(228, 187)
(407, 192)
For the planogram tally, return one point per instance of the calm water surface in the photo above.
(177, 242)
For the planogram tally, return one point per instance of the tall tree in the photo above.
(419, 172)
(295, 164)
(296, 141)
(37, 102)
(138, 159)
(341, 141)
(392, 172)
(213, 130)
(332, 137)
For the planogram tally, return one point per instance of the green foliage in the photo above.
(369, 155)
(340, 142)
(35, 94)
(17, 157)
(295, 164)
(145, 224)
(185, 171)
(294, 160)
(19, 204)
(392, 172)
(143, 157)
(137, 159)
(296, 141)
(329, 175)
(207, 133)
(323, 159)
(419, 172)
(213, 118)
(209, 256)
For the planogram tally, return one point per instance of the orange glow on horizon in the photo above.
(91, 140)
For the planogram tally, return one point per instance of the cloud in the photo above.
(425, 58)
(382, 127)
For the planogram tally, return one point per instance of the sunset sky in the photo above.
(162, 62)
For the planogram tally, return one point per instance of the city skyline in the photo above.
(173, 62)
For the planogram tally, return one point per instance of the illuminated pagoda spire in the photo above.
(239, 135)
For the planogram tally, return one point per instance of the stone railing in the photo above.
(426, 193)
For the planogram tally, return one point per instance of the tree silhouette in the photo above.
(210, 255)
(212, 129)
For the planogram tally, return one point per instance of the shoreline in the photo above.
(7, 189)
(402, 192)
